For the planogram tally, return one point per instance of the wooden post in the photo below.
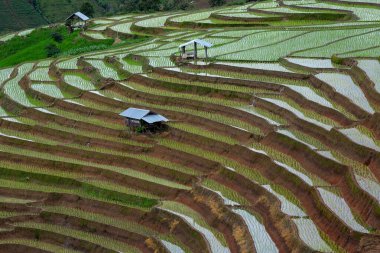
(195, 51)
(206, 52)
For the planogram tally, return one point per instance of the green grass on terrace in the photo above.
(33, 46)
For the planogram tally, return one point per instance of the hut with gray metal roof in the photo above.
(77, 20)
(194, 43)
(135, 117)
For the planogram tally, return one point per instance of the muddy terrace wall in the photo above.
(41, 117)
(190, 89)
(160, 221)
(114, 34)
(324, 218)
(372, 124)
(195, 105)
(365, 83)
(195, 25)
(94, 227)
(212, 209)
(66, 138)
(302, 101)
(311, 14)
(332, 138)
(316, 83)
(117, 66)
(280, 227)
(114, 160)
(148, 30)
(18, 248)
(332, 172)
(192, 161)
(360, 153)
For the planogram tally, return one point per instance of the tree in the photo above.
(57, 37)
(214, 3)
(87, 9)
(169, 5)
(149, 5)
(129, 5)
(52, 50)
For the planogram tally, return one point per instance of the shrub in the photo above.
(140, 129)
(237, 2)
(37, 235)
(87, 9)
(57, 37)
(214, 3)
(52, 50)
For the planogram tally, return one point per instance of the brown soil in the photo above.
(309, 197)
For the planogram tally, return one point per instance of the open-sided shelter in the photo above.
(195, 43)
(135, 117)
(77, 20)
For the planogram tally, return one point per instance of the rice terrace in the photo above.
(238, 128)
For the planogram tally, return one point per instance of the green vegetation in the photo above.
(46, 42)
(291, 129)
(18, 15)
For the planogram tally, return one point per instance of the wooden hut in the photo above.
(77, 20)
(195, 43)
(143, 119)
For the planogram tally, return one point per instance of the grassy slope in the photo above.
(32, 47)
(18, 15)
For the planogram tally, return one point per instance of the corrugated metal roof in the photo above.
(142, 114)
(79, 15)
(198, 41)
(153, 118)
(134, 113)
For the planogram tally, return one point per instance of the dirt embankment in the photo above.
(46, 118)
(122, 162)
(18, 248)
(332, 139)
(219, 80)
(47, 237)
(365, 83)
(283, 90)
(196, 25)
(197, 163)
(370, 244)
(332, 172)
(307, 13)
(338, 98)
(338, 146)
(70, 138)
(285, 236)
(16, 207)
(279, 226)
(313, 81)
(158, 220)
(220, 217)
(324, 218)
(194, 105)
(71, 222)
(373, 125)
(191, 89)
(91, 173)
